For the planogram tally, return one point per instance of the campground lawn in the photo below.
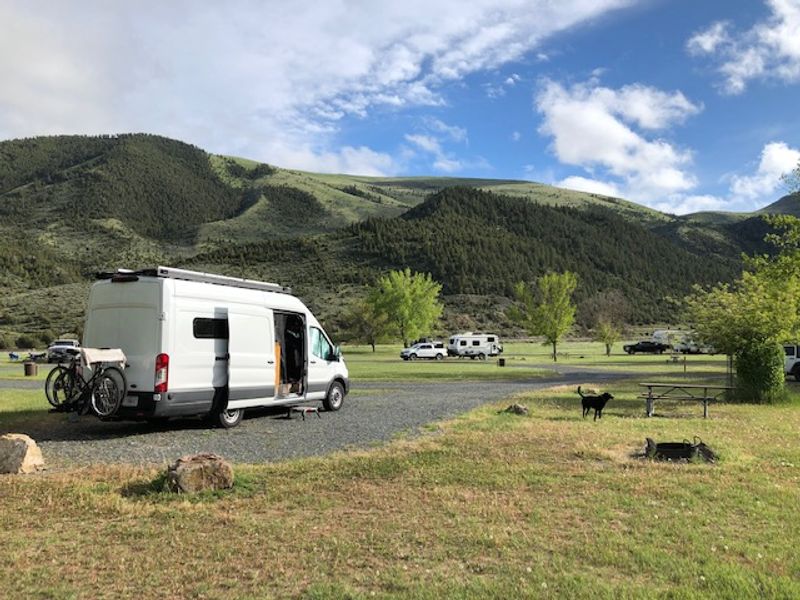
(486, 505)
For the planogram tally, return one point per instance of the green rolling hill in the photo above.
(73, 205)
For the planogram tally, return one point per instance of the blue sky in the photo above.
(676, 104)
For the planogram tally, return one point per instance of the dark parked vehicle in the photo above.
(646, 346)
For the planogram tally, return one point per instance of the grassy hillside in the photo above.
(479, 243)
(73, 205)
(788, 205)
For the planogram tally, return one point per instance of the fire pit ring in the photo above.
(679, 451)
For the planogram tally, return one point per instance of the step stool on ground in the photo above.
(303, 410)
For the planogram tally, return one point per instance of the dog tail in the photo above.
(579, 392)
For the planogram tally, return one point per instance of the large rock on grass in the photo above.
(200, 472)
(19, 454)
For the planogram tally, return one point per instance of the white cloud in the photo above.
(591, 186)
(685, 204)
(254, 78)
(433, 144)
(707, 41)
(594, 127)
(427, 143)
(516, 136)
(769, 49)
(454, 132)
(777, 159)
(746, 192)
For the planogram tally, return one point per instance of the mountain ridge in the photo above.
(73, 205)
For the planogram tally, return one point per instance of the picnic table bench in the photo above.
(699, 392)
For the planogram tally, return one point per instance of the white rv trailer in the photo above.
(474, 344)
(204, 344)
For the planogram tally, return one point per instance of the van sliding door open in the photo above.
(291, 347)
(251, 367)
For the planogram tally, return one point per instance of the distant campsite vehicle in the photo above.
(205, 344)
(646, 346)
(792, 360)
(474, 344)
(433, 350)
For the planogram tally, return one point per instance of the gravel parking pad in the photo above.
(375, 413)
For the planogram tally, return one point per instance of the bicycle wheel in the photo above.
(55, 396)
(108, 391)
(66, 388)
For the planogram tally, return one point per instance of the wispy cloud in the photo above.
(254, 78)
(770, 49)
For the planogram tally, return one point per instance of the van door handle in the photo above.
(313, 362)
(270, 362)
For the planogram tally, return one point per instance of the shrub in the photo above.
(759, 374)
(25, 342)
(46, 337)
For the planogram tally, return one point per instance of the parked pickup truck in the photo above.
(791, 365)
(646, 346)
(434, 350)
(62, 350)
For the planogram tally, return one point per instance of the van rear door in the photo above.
(127, 316)
(251, 366)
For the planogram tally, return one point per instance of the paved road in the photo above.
(376, 413)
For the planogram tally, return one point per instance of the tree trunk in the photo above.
(372, 343)
(608, 349)
(554, 352)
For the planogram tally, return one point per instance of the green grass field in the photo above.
(488, 505)
(492, 505)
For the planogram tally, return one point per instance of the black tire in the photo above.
(228, 419)
(439, 357)
(67, 387)
(481, 356)
(797, 375)
(108, 392)
(335, 398)
(55, 396)
(412, 357)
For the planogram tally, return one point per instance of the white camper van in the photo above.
(204, 344)
(474, 345)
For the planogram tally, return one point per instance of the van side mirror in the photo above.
(335, 355)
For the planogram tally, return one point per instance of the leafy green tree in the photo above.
(750, 318)
(546, 309)
(366, 324)
(409, 300)
(792, 180)
(607, 313)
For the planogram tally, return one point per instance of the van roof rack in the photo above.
(186, 275)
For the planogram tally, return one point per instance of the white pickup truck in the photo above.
(433, 350)
(791, 363)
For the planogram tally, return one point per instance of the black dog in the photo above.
(598, 403)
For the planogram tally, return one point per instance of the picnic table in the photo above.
(699, 392)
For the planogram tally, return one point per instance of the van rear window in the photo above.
(210, 328)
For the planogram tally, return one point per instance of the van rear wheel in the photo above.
(228, 418)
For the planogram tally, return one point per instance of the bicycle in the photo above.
(67, 389)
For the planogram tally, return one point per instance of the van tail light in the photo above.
(162, 373)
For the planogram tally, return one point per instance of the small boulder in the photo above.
(199, 472)
(515, 409)
(19, 454)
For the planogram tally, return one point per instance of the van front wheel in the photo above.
(335, 397)
(228, 418)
